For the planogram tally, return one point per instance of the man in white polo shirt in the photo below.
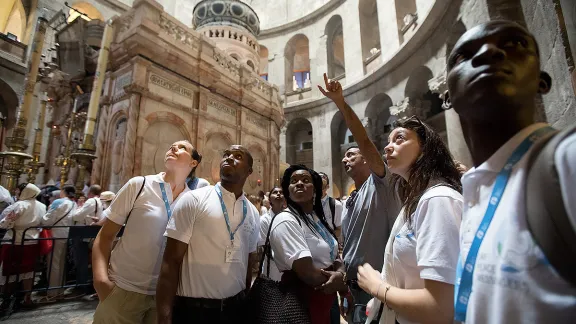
(210, 250)
(503, 276)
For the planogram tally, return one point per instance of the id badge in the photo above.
(232, 254)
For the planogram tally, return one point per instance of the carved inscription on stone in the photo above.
(172, 86)
(222, 108)
(255, 120)
(122, 81)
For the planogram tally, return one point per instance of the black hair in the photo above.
(70, 191)
(279, 187)
(435, 163)
(295, 208)
(22, 186)
(196, 156)
(96, 190)
(324, 175)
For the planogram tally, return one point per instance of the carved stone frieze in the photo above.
(409, 107)
(178, 32)
(438, 85)
(225, 62)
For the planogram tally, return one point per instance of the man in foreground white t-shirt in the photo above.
(493, 78)
(211, 244)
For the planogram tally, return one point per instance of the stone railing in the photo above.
(182, 34)
(223, 32)
(13, 48)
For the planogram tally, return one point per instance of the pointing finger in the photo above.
(322, 90)
(326, 80)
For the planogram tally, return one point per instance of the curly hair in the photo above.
(317, 203)
(435, 163)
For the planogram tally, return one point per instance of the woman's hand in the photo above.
(333, 90)
(334, 283)
(369, 279)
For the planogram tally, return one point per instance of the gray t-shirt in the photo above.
(368, 223)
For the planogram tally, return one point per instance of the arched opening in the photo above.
(212, 153)
(297, 58)
(235, 56)
(16, 23)
(569, 13)
(116, 157)
(335, 48)
(8, 107)
(299, 144)
(378, 121)
(257, 180)
(264, 62)
(406, 18)
(251, 65)
(369, 32)
(85, 11)
(341, 141)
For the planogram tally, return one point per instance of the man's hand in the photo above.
(333, 90)
(335, 282)
(103, 288)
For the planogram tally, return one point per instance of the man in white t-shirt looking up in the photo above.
(493, 79)
(211, 248)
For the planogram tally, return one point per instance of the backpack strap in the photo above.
(61, 218)
(546, 216)
(268, 248)
(332, 204)
(138, 195)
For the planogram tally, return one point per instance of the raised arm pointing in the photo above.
(366, 146)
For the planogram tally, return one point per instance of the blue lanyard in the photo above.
(465, 273)
(325, 236)
(225, 212)
(166, 202)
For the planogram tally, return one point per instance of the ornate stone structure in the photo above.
(191, 90)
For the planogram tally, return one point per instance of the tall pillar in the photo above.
(17, 144)
(389, 39)
(353, 59)
(85, 153)
(35, 165)
(131, 136)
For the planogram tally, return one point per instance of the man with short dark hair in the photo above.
(211, 248)
(493, 79)
(332, 208)
(371, 209)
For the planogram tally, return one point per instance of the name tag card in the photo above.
(232, 254)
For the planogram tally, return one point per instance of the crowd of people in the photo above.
(420, 240)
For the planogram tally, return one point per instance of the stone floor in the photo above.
(71, 312)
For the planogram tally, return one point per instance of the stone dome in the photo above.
(226, 12)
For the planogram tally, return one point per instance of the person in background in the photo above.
(419, 269)
(263, 208)
(494, 79)
(211, 249)
(277, 204)
(80, 200)
(125, 278)
(59, 214)
(257, 202)
(20, 219)
(332, 208)
(5, 198)
(371, 209)
(303, 245)
(106, 199)
(84, 215)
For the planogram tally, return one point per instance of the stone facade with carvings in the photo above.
(167, 82)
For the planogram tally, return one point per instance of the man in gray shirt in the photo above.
(370, 211)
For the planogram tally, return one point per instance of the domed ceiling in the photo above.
(272, 13)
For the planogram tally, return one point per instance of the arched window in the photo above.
(88, 12)
(406, 17)
(297, 58)
(264, 62)
(251, 65)
(235, 56)
(299, 147)
(335, 47)
(16, 24)
(369, 30)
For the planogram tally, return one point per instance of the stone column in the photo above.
(131, 131)
(456, 142)
(352, 43)
(103, 126)
(35, 165)
(318, 63)
(389, 39)
(17, 144)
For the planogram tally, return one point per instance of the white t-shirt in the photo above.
(513, 282)
(198, 221)
(59, 214)
(291, 241)
(428, 249)
(135, 261)
(328, 213)
(91, 208)
(265, 220)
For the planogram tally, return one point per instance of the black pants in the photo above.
(81, 253)
(202, 311)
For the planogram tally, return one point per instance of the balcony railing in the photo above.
(12, 48)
